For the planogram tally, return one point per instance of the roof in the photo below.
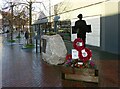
(45, 20)
(41, 19)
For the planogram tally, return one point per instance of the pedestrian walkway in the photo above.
(25, 68)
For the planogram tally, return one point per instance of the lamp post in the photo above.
(30, 20)
(11, 33)
(49, 10)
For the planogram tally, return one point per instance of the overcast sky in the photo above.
(56, 1)
(53, 2)
(46, 3)
(0, 3)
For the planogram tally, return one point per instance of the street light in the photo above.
(30, 20)
(11, 6)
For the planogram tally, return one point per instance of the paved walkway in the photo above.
(25, 68)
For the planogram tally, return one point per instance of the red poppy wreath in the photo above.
(68, 57)
(85, 54)
(78, 44)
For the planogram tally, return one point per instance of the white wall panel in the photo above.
(94, 37)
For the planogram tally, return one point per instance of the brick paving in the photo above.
(25, 68)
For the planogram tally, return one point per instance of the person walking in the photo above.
(26, 36)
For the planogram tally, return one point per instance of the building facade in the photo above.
(102, 15)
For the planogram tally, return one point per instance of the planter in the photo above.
(28, 46)
(11, 41)
(80, 74)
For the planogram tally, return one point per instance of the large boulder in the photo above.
(55, 51)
